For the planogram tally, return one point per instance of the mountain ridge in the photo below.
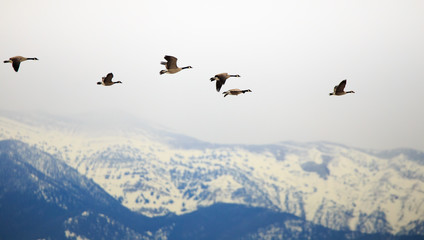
(24, 208)
(147, 173)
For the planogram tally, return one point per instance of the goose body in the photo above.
(107, 81)
(171, 65)
(16, 61)
(235, 92)
(339, 89)
(220, 79)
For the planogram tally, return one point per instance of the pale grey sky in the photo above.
(289, 53)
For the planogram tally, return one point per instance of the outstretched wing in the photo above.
(219, 84)
(108, 78)
(171, 62)
(16, 65)
(341, 86)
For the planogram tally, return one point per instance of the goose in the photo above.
(221, 78)
(235, 92)
(339, 89)
(107, 81)
(16, 61)
(171, 65)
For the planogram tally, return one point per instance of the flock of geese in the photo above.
(171, 68)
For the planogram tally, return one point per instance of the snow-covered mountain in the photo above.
(43, 198)
(155, 172)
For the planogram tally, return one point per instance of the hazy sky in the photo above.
(289, 53)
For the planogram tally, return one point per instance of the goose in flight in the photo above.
(171, 65)
(339, 89)
(16, 61)
(235, 92)
(107, 81)
(221, 78)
